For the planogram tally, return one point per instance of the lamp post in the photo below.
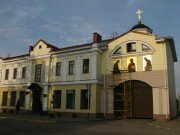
(88, 86)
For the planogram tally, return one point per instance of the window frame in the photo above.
(84, 100)
(38, 73)
(6, 74)
(13, 98)
(15, 73)
(116, 52)
(23, 73)
(147, 48)
(131, 47)
(85, 66)
(57, 97)
(71, 67)
(58, 69)
(4, 98)
(70, 99)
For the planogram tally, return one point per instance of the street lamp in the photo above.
(88, 86)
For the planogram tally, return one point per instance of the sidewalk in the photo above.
(43, 119)
(168, 125)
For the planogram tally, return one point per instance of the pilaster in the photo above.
(93, 66)
(45, 93)
(64, 69)
(78, 67)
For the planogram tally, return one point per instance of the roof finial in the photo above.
(139, 12)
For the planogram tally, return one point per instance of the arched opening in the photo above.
(134, 99)
(36, 98)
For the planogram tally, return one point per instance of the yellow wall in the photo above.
(40, 51)
(9, 89)
(157, 52)
(77, 89)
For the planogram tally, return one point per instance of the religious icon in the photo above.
(148, 65)
(131, 66)
(116, 69)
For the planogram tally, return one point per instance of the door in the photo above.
(142, 103)
(37, 103)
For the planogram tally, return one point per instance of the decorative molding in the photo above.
(134, 53)
(77, 82)
(39, 56)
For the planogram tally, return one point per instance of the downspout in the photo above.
(49, 83)
(105, 98)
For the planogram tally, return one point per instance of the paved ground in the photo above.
(12, 124)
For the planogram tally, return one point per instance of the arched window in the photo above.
(145, 47)
(131, 47)
(118, 51)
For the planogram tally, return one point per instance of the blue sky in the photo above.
(70, 22)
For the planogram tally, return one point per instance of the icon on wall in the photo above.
(116, 69)
(131, 66)
(148, 66)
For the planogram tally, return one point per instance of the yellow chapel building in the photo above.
(128, 76)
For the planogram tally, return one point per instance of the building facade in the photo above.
(130, 75)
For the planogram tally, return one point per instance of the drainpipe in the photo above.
(105, 98)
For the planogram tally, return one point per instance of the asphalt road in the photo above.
(108, 127)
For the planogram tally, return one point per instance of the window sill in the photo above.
(85, 73)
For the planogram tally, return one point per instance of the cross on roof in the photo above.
(139, 12)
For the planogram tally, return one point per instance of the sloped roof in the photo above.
(15, 57)
(48, 45)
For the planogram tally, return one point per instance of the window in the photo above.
(70, 99)
(24, 72)
(38, 73)
(22, 98)
(13, 98)
(85, 65)
(7, 74)
(71, 67)
(118, 51)
(40, 46)
(145, 48)
(58, 68)
(4, 99)
(57, 99)
(15, 73)
(84, 99)
(131, 47)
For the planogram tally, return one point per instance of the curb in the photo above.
(49, 120)
(34, 121)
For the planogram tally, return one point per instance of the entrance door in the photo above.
(37, 103)
(142, 100)
(142, 103)
(36, 98)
